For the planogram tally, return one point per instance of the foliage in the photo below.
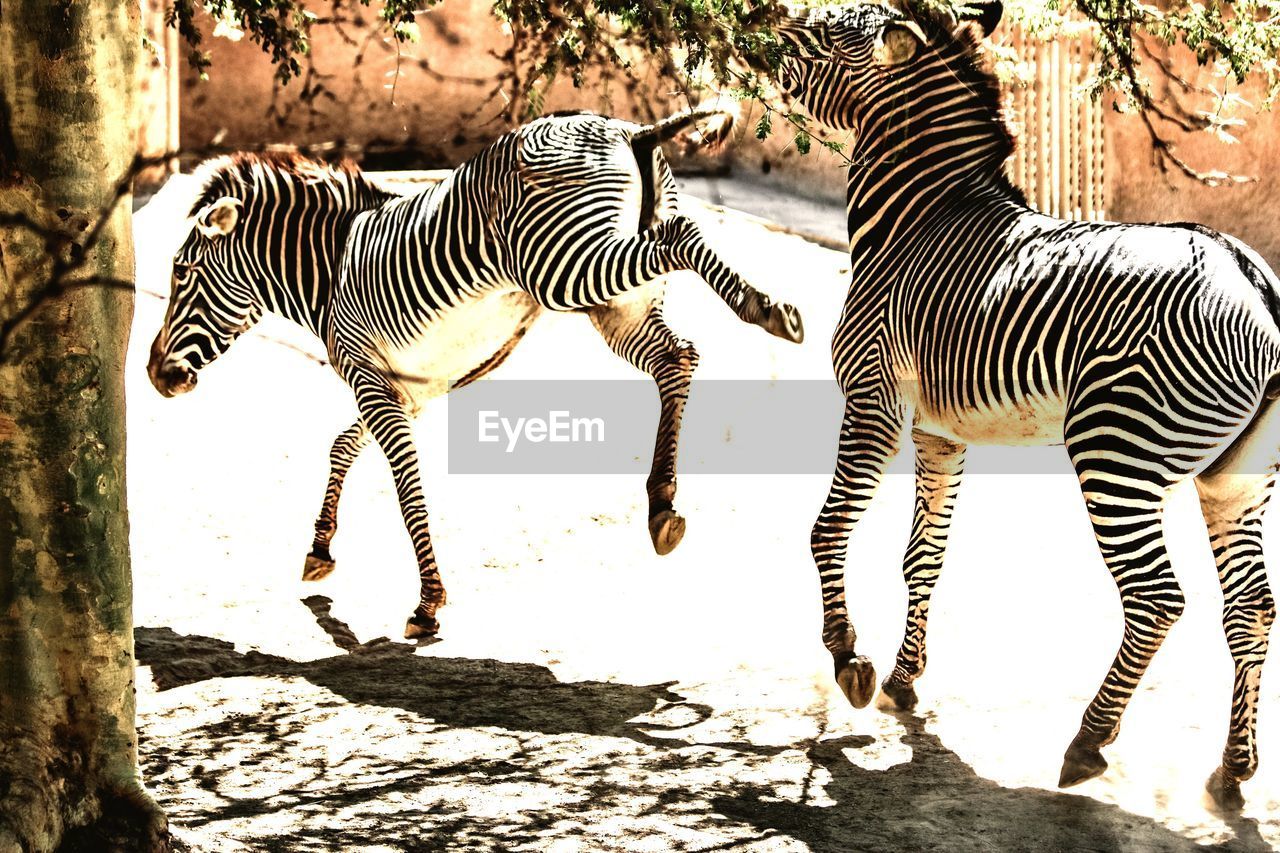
(1135, 46)
(728, 44)
(281, 27)
(550, 38)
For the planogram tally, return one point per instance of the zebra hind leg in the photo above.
(634, 329)
(939, 466)
(684, 240)
(1130, 535)
(1233, 498)
(869, 438)
(346, 447)
(1233, 505)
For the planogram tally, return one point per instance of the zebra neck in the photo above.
(297, 274)
(292, 303)
(896, 185)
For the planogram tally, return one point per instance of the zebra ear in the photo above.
(986, 14)
(217, 219)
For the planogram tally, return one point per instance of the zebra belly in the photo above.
(1027, 423)
(461, 344)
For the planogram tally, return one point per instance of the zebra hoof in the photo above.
(1224, 790)
(317, 568)
(896, 696)
(784, 321)
(666, 529)
(857, 680)
(420, 626)
(1082, 762)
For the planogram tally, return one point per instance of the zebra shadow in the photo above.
(457, 692)
(936, 801)
(262, 773)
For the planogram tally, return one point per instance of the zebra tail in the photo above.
(655, 134)
(645, 140)
(1262, 277)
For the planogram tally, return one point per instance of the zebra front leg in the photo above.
(383, 412)
(869, 438)
(1233, 505)
(939, 466)
(634, 329)
(1127, 521)
(346, 447)
(683, 238)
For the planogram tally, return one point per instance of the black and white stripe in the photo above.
(1151, 352)
(419, 293)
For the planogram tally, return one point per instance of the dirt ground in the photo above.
(588, 695)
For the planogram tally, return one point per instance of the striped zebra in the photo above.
(416, 294)
(1150, 351)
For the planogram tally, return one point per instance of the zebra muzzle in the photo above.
(169, 377)
(173, 379)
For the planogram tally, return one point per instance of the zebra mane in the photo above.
(235, 175)
(961, 49)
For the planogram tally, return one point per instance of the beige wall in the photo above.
(1136, 188)
(239, 104)
(461, 36)
(156, 99)
(442, 81)
(1140, 192)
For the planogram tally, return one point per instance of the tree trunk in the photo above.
(68, 747)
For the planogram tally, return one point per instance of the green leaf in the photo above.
(764, 126)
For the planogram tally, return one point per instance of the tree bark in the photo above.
(68, 746)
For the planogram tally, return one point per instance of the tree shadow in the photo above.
(582, 752)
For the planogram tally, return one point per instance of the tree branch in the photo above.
(1119, 32)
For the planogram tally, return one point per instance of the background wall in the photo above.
(1140, 192)
(444, 103)
(444, 108)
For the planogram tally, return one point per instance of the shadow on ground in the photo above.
(935, 799)
(484, 754)
(458, 692)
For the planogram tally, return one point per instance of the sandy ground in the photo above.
(588, 695)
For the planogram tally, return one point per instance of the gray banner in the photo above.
(730, 427)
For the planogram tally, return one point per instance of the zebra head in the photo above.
(849, 63)
(211, 303)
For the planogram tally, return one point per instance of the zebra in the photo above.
(416, 294)
(1152, 352)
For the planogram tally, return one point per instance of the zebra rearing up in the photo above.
(1151, 352)
(416, 294)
